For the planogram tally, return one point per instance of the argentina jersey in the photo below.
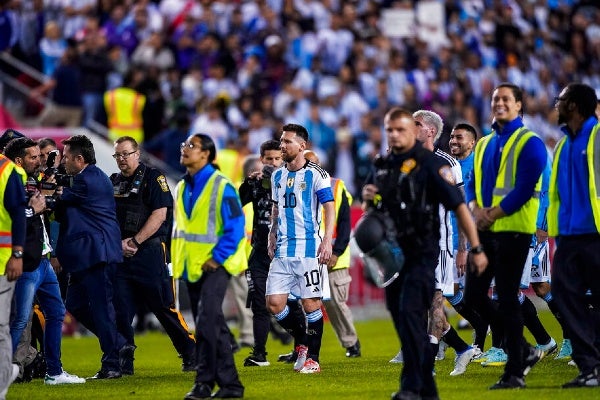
(446, 231)
(299, 195)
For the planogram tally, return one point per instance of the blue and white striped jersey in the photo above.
(446, 233)
(299, 195)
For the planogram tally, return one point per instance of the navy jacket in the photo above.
(89, 232)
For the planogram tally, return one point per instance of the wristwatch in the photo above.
(477, 249)
(17, 254)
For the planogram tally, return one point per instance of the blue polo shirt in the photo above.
(575, 216)
(530, 165)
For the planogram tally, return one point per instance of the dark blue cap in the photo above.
(9, 135)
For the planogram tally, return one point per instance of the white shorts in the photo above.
(300, 277)
(537, 266)
(444, 274)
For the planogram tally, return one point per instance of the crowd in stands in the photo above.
(232, 67)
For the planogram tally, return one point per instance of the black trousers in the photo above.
(576, 270)
(506, 253)
(213, 345)
(258, 269)
(408, 299)
(144, 280)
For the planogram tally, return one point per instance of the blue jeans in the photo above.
(92, 107)
(43, 283)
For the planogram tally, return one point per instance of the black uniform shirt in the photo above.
(412, 185)
(153, 192)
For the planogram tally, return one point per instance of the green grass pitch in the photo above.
(158, 374)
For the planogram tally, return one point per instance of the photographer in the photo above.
(38, 276)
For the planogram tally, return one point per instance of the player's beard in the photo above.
(287, 157)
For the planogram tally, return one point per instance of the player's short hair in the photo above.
(466, 127)
(298, 129)
(431, 118)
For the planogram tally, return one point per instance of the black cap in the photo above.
(9, 135)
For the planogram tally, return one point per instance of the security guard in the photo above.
(12, 237)
(208, 247)
(144, 211)
(574, 218)
(409, 184)
(504, 198)
(124, 109)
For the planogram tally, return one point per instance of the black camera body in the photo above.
(32, 187)
(267, 171)
(62, 179)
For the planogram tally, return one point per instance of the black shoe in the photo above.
(256, 360)
(532, 358)
(354, 350)
(104, 374)
(189, 363)
(229, 393)
(509, 382)
(126, 359)
(199, 391)
(589, 380)
(288, 358)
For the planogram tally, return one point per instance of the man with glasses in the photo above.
(574, 219)
(208, 247)
(144, 211)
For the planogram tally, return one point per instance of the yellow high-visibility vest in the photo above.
(195, 237)
(6, 169)
(593, 163)
(524, 219)
(230, 164)
(338, 188)
(124, 108)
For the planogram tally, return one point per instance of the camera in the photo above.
(32, 187)
(267, 171)
(62, 179)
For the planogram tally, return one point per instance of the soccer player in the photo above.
(296, 246)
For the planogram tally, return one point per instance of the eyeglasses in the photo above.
(124, 156)
(185, 145)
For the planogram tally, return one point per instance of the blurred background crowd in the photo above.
(238, 69)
